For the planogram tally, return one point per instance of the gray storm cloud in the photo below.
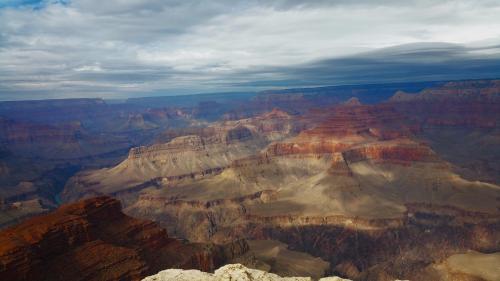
(115, 48)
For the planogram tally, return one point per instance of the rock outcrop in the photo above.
(227, 273)
(93, 240)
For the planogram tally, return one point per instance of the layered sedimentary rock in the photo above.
(402, 151)
(182, 158)
(461, 122)
(62, 141)
(30, 138)
(273, 124)
(342, 127)
(93, 240)
(199, 154)
(227, 273)
(44, 142)
(462, 103)
(472, 90)
(355, 180)
(39, 158)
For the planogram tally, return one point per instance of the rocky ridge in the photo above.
(227, 273)
(93, 240)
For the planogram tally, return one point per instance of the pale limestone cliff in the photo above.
(230, 272)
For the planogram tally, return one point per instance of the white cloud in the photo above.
(89, 68)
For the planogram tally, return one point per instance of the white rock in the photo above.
(230, 272)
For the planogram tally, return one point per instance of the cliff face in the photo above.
(69, 140)
(93, 240)
(397, 152)
(12, 132)
(478, 90)
(186, 157)
(199, 154)
(25, 138)
(343, 127)
(44, 142)
(466, 104)
(461, 122)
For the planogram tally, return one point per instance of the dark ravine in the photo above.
(407, 251)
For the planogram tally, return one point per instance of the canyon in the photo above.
(93, 240)
(376, 183)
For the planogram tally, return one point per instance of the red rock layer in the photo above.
(345, 127)
(305, 147)
(398, 152)
(352, 120)
(93, 240)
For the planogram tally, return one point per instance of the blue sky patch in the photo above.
(36, 4)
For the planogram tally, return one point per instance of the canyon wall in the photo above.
(93, 240)
(461, 121)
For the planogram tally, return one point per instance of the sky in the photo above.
(131, 48)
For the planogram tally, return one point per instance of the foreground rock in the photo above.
(227, 273)
(93, 240)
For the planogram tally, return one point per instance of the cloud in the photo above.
(410, 62)
(121, 48)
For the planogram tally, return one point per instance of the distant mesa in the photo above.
(352, 102)
(401, 96)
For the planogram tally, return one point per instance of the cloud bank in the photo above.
(116, 48)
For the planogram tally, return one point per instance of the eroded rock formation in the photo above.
(93, 240)
(345, 184)
(200, 153)
(461, 121)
